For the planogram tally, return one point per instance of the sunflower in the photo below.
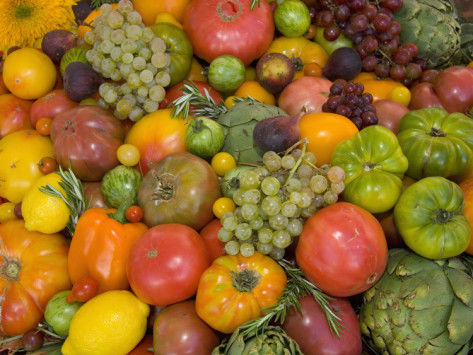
(24, 22)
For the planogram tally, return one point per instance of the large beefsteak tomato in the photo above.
(33, 269)
(374, 167)
(181, 188)
(165, 264)
(342, 249)
(218, 27)
(236, 289)
(157, 135)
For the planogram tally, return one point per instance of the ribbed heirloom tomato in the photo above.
(235, 289)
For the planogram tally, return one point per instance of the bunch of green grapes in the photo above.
(127, 52)
(274, 201)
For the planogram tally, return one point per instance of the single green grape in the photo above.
(243, 231)
(264, 248)
(247, 249)
(271, 205)
(272, 161)
(288, 209)
(265, 235)
(229, 223)
(306, 200)
(256, 223)
(288, 162)
(305, 171)
(232, 247)
(252, 196)
(249, 180)
(238, 197)
(294, 227)
(278, 222)
(318, 184)
(270, 186)
(277, 253)
(249, 211)
(293, 184)
(295, 197)
(224, 235)
(282, 239)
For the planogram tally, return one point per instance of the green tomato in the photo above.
(429, 217)
(204, 137)
(331, 46)
(374, 166)
(292, 18)
(226, 73)
(120, 186)
(59, 313)
(436, 143)
(178, 47)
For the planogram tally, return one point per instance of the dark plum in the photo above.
(80, 81)
(277, 133)
(274, 71)
(57, 42)
(343, 63)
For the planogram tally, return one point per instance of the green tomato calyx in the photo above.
(164, 187)
(437, 132)
(369, 166)
(442, 216)
(245, 280)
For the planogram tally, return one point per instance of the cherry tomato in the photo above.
(32, 340)
(47, 165)
(310, 32)
(128, 155)
(222, 206)
(401, 95)
(313, 69)
(229, 102)
(43, 126)
(83, 290)
(223, 162)
(7, 211)
(134, 214)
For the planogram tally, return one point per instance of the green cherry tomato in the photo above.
(226, 73)
(292, 18)
(59, 312)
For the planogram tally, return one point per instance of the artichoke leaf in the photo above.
(459, 325)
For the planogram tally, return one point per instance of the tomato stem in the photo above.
(442, 216)
(437, 132)
(245, 280)
(10, 269)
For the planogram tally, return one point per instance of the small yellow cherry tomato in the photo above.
(168, 18)
(401, 94)
(7, 211)
(222, 206)
(229, 102)
(128, 154)
(256, 91)
(223, 162)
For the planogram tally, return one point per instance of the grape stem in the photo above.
(299, 161)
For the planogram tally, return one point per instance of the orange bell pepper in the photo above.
(100, 248)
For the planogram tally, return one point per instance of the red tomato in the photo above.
(217, 27)
(309, 328)
(176, 92)
(14, 114)
(143, 347)
(342, 249)
(50, 105)
(210, 236)
(83, 290)
(165, 264)
(134, 214)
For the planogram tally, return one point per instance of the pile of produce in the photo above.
(236, 177)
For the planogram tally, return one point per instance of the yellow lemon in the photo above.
(42, 212)
(168, 18)
(112, 323)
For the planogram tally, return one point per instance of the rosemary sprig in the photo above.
(254, 3)
(297, 287)
(204, 104)
(74, 198)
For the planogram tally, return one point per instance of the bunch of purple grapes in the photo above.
(375, 33)
(347, 99)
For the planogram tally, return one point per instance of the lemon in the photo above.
(112, 323)
(42, 212)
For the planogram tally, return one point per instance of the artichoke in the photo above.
(238, 124)
(272, 341)
(431, 25)
(420, 306)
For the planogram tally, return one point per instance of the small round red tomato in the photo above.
(43, 126)
(50, 105)
(47, 165)
(209, 234)
(342, 249)
(83, 290)
(143, 347)
(134, 214)
(165, 264)
(309, 328)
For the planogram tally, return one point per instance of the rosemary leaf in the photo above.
(254, 3)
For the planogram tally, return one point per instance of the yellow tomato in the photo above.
(380, 89)
(229, 102)
(364, 76)
(7, 212)
(324, 132)
(301, 49)
(223, 162)
(149, 9)
(197, 72)
(222, 206)
(256, 91)
(250, 73)
(401, 95)
(89, 20)
(20, 153)
(128, 154)
(29, 73)
(167, 18)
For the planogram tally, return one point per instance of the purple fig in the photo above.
(277, 133)
(57, 42)
(80, 81)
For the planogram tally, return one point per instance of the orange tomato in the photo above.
(324, 132)
(157, 135)
(34, 269)
(43, 126)
(255, 90)
(467, 188)
(197, 72)
(380, 89)
(224, 302)
(364, 76)
(89, 20)
(312, 69)
(29, 73)
(149, 9)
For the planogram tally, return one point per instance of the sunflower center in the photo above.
(23, 11)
